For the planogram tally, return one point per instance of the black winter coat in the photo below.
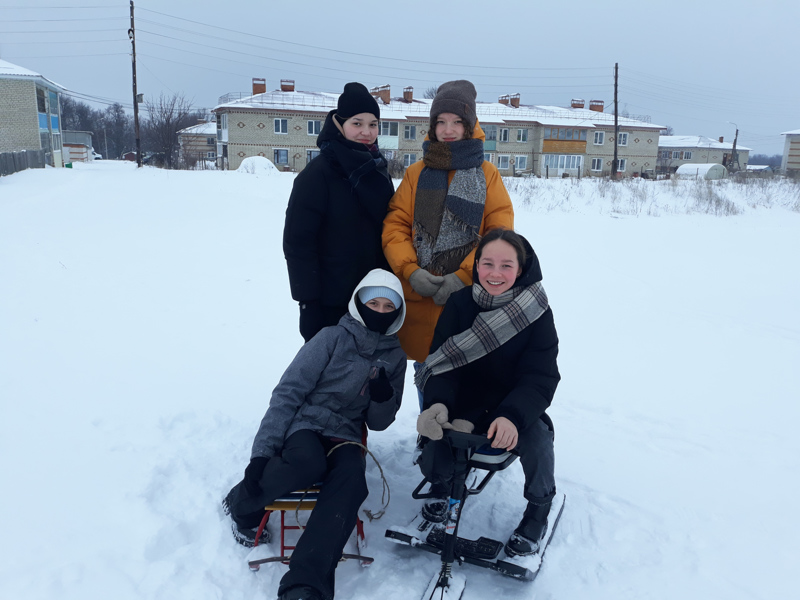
(516, 381)
(332, 235)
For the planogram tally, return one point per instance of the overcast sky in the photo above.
(693, 65)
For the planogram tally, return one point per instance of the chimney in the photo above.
(596, 105)
(382, 92)
(721, 138)
(515, 100)
(577, 103)
(504, 100)
(408, 94)
(259, 86)
(287, 85)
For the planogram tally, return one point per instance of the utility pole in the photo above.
(616, 120)
(132, 36)
(734, 155)
(105, 138)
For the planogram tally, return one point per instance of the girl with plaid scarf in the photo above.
(492, 369)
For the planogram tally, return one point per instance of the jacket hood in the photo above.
(531, 270)
(380, 277)
(477, 133)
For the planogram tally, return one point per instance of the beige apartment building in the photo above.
(548, 141)
(677, 150)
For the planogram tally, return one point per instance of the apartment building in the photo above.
(677, 150)
(547, 141)
(30, 113)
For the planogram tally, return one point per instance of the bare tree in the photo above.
(78, 116)
(667, 130)
(165, 117)
(118, 126)
(430, 93)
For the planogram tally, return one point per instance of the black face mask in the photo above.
(374, 320)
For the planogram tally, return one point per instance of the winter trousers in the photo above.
(535, 451)
(302, 463)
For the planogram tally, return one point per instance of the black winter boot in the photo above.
(526, 538)
(301, 592)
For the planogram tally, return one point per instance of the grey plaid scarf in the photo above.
(506, 315)
(447, 218)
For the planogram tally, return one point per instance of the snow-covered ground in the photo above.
(145, 317)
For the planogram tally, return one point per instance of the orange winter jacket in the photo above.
(422, 313)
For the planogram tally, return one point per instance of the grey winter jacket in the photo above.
(325, 388)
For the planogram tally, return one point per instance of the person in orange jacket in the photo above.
(443, 206)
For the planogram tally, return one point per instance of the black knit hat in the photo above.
(356, 99)
(457, 97)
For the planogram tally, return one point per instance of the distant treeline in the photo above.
(773, 161)
(113, 132)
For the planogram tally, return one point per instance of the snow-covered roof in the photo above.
(400, 110)
(695, 141)
(795, 132)
(11, 71)
(201, 129)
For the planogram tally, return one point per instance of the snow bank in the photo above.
(257, 165)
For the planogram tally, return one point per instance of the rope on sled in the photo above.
(385, 492)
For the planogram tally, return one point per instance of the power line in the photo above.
(492, 67)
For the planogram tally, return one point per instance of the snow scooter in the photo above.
(470, 452)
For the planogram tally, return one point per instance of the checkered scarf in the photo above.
(447, 217)
(504, 317)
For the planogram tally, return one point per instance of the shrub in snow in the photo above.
(257, 165)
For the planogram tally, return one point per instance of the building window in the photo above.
(41, 100)
(561, 133)
(314, 127)
(502, 160)
(211, 141)
(311, 155)
(280, 156)
(665, 154)
(211, 155)
(389, 128)
(621, 163)
(281, 125)
(409, 159)
(488, 157)
(388, 154)
(687, 156)
(597, 164)
(503, 135)
(490, 131)
(521, 162)
(522, 135)
(676, 154)
(410, 132)
(563, 161)
(622, 139)
(599, 138)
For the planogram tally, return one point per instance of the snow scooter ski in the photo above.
(470, 452)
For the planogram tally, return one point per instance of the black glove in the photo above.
(253, 473)
(380, 390)
(310, 319)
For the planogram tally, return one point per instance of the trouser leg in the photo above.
(300, 464)
(537, 455)
(331, 522)
(437, 465)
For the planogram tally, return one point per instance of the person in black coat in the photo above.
(493, 369)
(332, 234)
